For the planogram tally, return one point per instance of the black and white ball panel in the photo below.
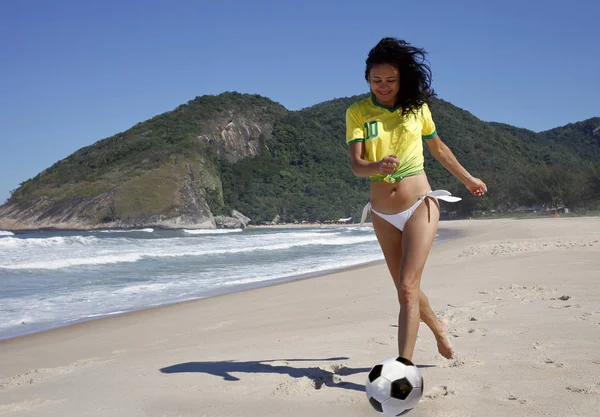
(394, 386)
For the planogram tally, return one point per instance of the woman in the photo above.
(385, 134)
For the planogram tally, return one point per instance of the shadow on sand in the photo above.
(330, 377)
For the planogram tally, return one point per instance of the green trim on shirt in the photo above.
(431, 136)
(381, 105)
(355, 140)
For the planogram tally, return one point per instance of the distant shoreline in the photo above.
(281, 226)
(190, 227)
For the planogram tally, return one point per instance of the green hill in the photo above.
(191, 167)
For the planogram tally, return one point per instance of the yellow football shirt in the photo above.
(385, 131)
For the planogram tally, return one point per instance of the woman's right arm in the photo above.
(363, 168)
(355, 140)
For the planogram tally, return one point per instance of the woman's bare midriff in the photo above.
(394, 198)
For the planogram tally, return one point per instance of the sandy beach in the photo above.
(522, 297)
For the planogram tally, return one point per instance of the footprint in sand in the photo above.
(549, 362)
(458, 314)
(559, 302)
(561, 307)
(490, 313)
(458, 331)
(590, 317)
(301, 386)
(512, 397)
(465, 362)
(527, 294)
(338, 369)
(582, 390)
(541, 346)
(34, 376)
(314, 379)
(27, 405)
(480, 331)
(437, 392)
(484, 308)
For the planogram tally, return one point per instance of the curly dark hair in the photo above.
(415, 74)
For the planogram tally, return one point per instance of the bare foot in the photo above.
(443, 340)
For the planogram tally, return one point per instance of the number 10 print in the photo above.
(372, 129)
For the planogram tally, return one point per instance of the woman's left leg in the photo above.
(417, 238)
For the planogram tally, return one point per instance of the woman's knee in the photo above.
(408, 290)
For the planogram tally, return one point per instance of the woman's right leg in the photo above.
(390, 240)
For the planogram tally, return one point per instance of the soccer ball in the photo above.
(394, 386)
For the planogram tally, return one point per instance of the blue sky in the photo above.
(75, 72)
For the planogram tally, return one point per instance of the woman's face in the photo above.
(384, 80)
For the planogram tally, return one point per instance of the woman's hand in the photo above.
(476, 186)
(388, 165)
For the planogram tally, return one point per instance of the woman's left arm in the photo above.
(442, 153)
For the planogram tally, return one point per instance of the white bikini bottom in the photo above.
(399, 220)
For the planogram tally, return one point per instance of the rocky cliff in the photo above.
(163, 172)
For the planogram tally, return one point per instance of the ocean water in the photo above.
(49, 280)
